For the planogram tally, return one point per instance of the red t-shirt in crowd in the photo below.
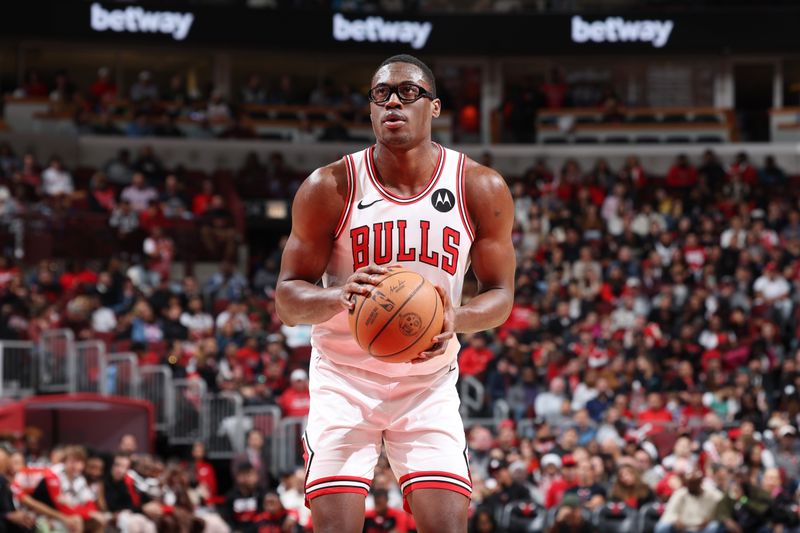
(472, 362)
(657, 418)
(294, 403)
(681, 176)
(393, 520)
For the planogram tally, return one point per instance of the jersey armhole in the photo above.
(462, 199)
(351, 193)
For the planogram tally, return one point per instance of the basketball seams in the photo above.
(400, 308)
(433, 317)
(367, 297)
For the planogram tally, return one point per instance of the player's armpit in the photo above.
(316, 212)
(491, 209)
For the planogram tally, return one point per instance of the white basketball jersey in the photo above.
(429, 233)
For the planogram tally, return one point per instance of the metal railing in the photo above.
(90, 365)
(287, 454)
(188, 412)
(57, 368)
(155, 386)
(472, 394)
(224, 425)
(17, 369)
(122, 376)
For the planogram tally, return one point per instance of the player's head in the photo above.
(403, 101)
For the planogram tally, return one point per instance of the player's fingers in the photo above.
(443, 337)
(365, 278)
(372, 269)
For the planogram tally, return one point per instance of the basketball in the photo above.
(399, 318)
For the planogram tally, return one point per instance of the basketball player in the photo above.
(408, 201)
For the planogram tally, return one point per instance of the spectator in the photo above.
(295, 400)
(474, 359)
(167, 127)
(629, 488)
(199, 323)
(217, 231)
(138, 194)
(226, 284)
(772, 175)
(103, 91)
(682, 176)
(202, 200)
(691, 507)
(174, 203)
(120, 170)
(64, 91)
(139, 126)
(125, 501)
(56, 180)
(772, 290)
(570, 517)
(742, 171)
(160, 250)
(591, 494)
(203, 474)
(13, 518)
(253, 92)
(102, 197)
(34, 87)
(144, 89)
(548, 404)
(382, 517)
(711, 170)
(126, 222)
(255, 460)
(76, 508)
(276, 518)
(218, 110)
(149, 164)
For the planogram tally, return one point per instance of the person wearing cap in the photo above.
(144, 89)
(570, 517)
(562, 473)
(786, 451)
(507, 488)
(295, 400)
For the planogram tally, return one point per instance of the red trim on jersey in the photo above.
(337, 478)
(442, 485)
(428, 473)
(336, 490)
(462, 200)
(351, 194)
(396, 198)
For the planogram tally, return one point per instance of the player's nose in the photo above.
(393, 101)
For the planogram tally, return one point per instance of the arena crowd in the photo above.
(650, 362)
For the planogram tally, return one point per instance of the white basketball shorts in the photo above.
(416, 417)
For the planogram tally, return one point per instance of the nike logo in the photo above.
(452, 367)
(364, 206)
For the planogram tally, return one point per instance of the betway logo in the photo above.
(137, 20)
(617, 29)
(375, 29)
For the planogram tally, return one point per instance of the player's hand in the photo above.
(361, 282)
(74, 523)
(448, 330)
(22, 518)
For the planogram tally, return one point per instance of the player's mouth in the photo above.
(394, 121)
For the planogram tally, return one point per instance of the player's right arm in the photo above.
(317, 207)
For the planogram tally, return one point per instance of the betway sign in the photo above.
(137, 20)
(617, 29)
(378, 30)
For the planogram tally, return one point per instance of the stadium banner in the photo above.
(188, 24)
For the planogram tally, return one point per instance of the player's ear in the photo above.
(436, 107)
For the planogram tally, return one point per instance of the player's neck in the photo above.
(405, 170)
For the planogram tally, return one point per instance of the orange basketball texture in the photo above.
(399, 318)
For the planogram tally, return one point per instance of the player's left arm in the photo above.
(494, 262)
